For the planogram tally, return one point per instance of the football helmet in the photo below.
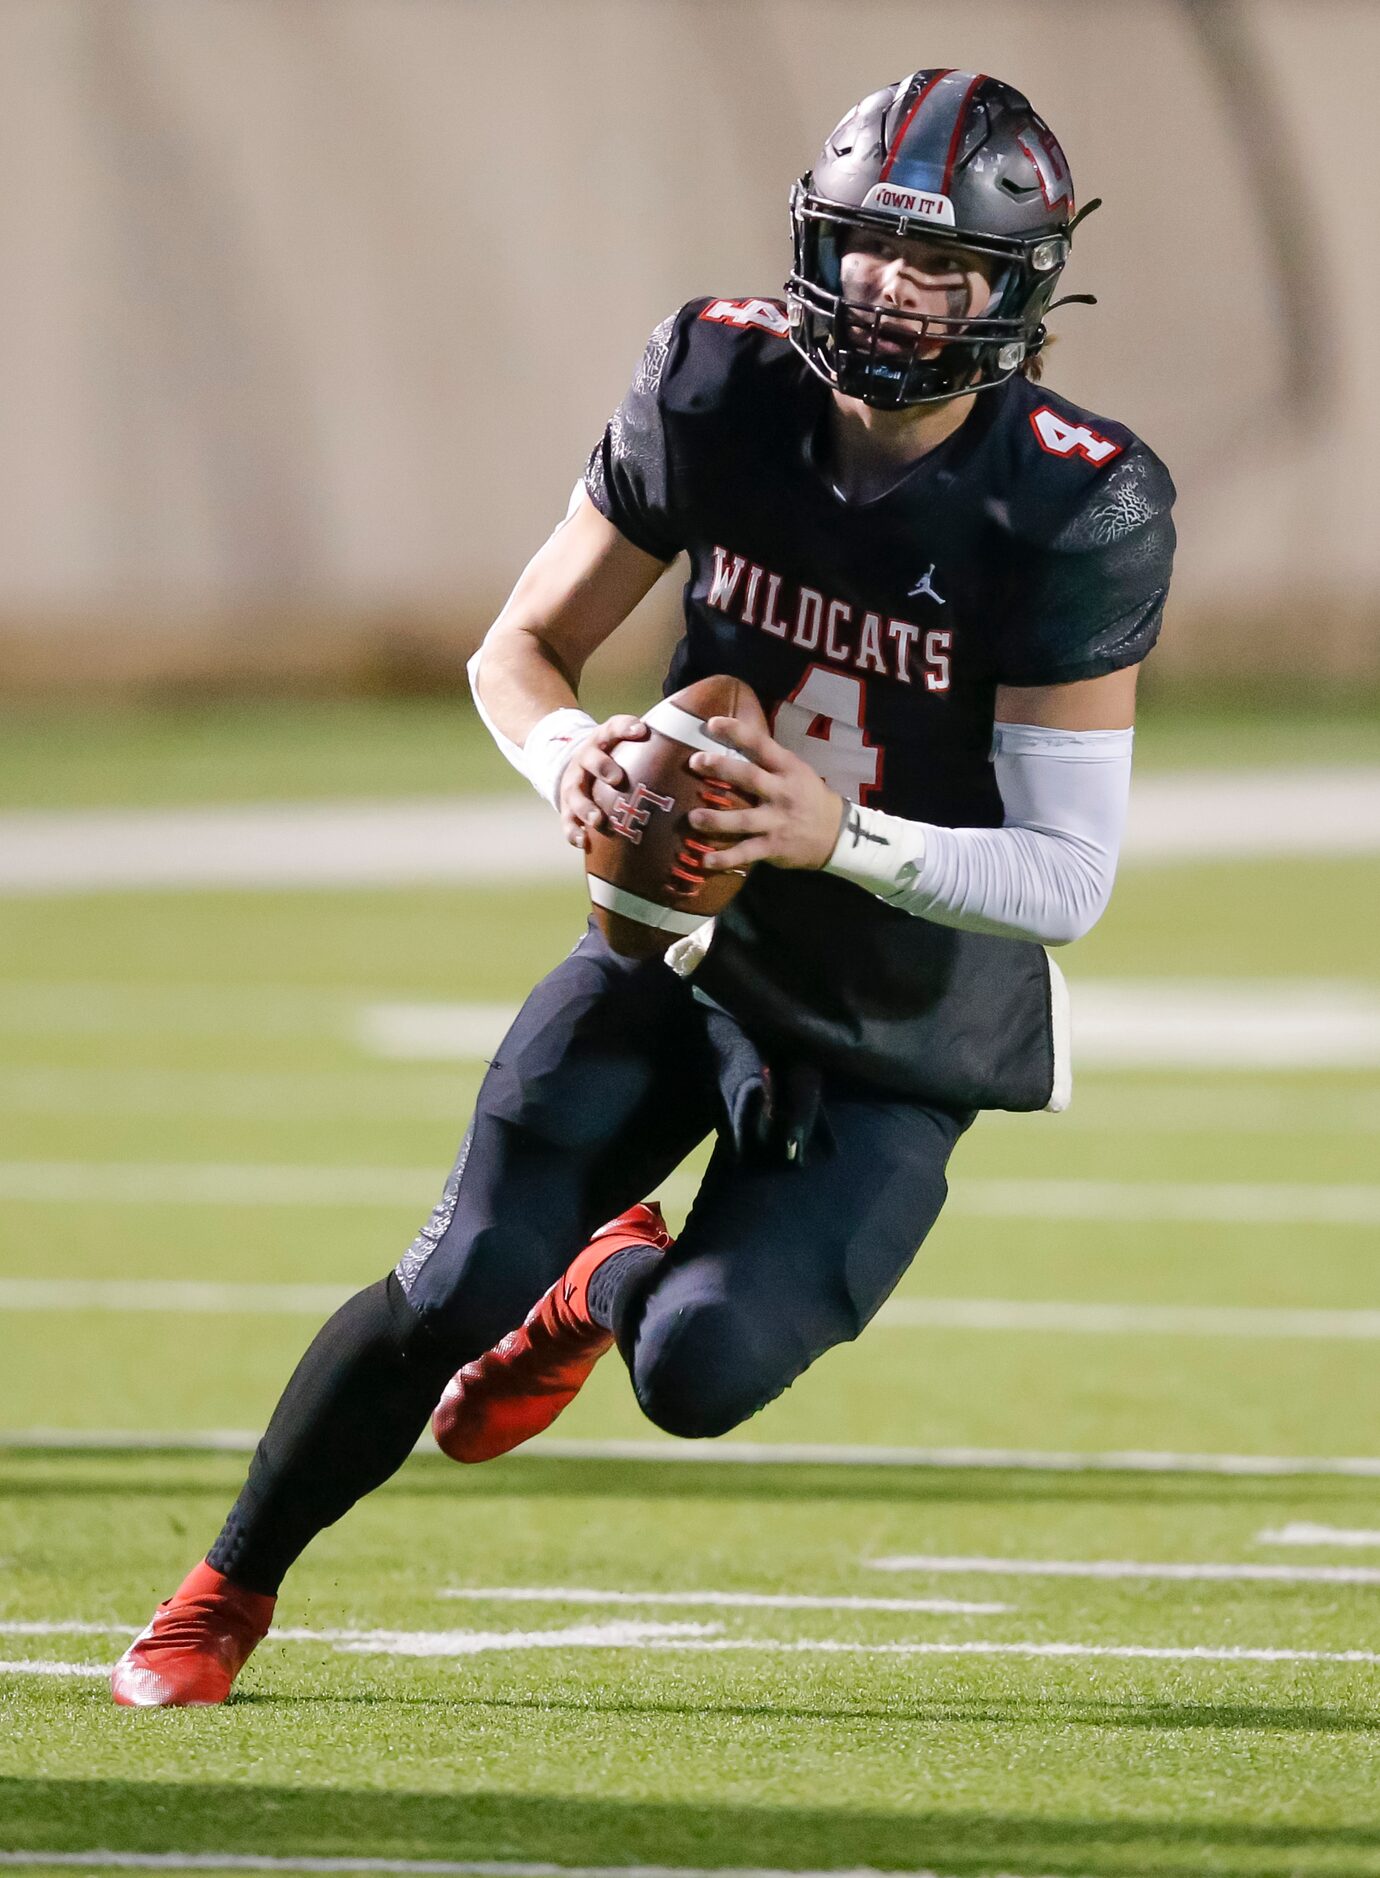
(963, 162)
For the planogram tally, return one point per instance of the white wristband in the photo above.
(548, 748)
(882, 853)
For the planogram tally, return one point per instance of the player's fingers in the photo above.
(600, 767)
(755, 741)
(605, 797)
(722, 822)
(579, 803)
(622, 729)
(742, 854)
(732, 770)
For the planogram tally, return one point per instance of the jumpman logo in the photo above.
(924, 587)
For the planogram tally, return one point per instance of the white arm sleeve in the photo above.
(1046, 874)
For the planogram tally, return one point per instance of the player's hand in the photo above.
(796, 817)
(590, 768)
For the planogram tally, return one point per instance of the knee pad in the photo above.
(698, 1370)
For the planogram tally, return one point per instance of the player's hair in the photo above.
(1034, 366)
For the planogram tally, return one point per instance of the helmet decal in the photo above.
(894, 201)
(1050, 165)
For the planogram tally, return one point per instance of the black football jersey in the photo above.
(1032, 547)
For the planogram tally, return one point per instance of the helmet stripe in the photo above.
(907, 121)
(927, 142)
(959, 121)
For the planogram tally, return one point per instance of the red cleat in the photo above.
(519, 1387)
(198, 1642)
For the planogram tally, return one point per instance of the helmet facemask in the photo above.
(892, 358)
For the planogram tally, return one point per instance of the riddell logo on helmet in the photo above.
(896, 201)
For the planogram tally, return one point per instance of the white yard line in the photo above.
(1119, 1024)
(377, 1093)
(217, 1183)
(1186, 816)
(1224, 1203)
(183, 1296)
(730, 1453)
(421, 1867)
(197, 1297)
(413, 1032)
(381, 1640)
(718, 1600)
(450, 1645)
(40, 1668)
(499, 839)
(1101, 1320)
(409, 1091)
(1258, 1106)
(1127, 1652)
(692, 1638)
(617, 1634)
(1167, 1023)
(1248, 1023)
(1130, 1569)
(1204, 815)
(1308, 1532)
(44, 1627)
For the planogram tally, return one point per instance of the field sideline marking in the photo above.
(1274, 1026)
(23, 1668)
(719, 1600)
(1176, 817)
(193, 1296)
(751, 1454)
(196, 1297)
(258, 1183)
(422, 1867)
(540, 1594)
(378, 1092)
(1124, 1652)
(703, 1639)
(1307, 1532)
(410, 1091)
(1128, 1568)
(1172, 1320)
(1126, 1024)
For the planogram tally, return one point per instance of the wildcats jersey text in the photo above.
(1032, 547)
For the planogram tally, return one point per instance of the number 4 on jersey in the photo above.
(1060, 438)
(822, 721)
(761, 313)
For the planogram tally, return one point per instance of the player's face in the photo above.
(916, 277)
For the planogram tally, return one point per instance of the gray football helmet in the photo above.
(959, 159)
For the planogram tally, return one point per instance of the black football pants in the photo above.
(602, 1086)
(607, 1079)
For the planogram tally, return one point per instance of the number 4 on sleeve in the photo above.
(1060, 438)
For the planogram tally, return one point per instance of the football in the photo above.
(645, 867)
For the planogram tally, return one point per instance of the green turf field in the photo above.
(188, 1095)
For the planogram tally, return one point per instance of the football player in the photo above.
(939, 578)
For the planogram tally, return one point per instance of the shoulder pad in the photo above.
(717, 343)
(1083, 480)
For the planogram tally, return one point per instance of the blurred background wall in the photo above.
(312, 309)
